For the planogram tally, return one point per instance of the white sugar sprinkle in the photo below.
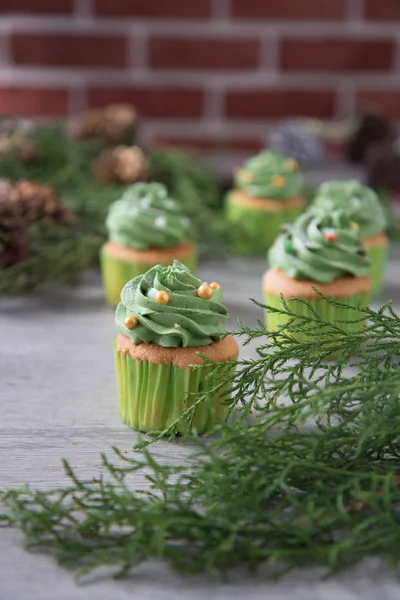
(177, 326)
(160, 222)
(145, 202)
(355, 202)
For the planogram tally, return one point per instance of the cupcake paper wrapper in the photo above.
(322, 308)
(260, 226)
(151, 396)
(378, 256)
(116, 272)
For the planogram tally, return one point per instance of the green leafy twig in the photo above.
(272, 490)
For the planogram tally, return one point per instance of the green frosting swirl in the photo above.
(145, 217)
(270, 175)
(320, 247)
(186, 320)
(359, 202)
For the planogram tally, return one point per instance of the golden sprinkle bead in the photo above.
(215, 285)
(131, 322)
(292, 164)
(278, 181)
(354, 226)
(205, 291)
(161, 297)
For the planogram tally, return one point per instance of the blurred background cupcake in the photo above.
(367, 215)
(318, 252)
(166, 317)
(267, 194)
(145, 228)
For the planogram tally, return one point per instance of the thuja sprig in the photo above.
(272, 489)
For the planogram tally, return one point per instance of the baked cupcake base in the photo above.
(260, 218)
(353, 291)
(377, 247)
(119, 264)
(153, 383)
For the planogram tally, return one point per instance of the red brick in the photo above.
(69, 50)
(204, 53)
(211, 144)
(275, 104)
(337, 55)
(59, 7)
(33, 102)
(289, 9)
(172, 102)
(382, 10)
(166, 9)
(384, 101)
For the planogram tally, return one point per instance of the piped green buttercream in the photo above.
(186, 320)
(146, 217)
(319, 247)
(270, 175)
(359, 202)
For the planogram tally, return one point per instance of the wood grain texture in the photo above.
(58, 400)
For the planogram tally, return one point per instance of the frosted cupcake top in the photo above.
(359, 202)
(146, 217)
(270, 175)
(170, 307)
(319, 247)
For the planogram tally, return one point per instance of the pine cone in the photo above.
(383, 167)
(18, 145)
(122, 165)
(115, 124)
(14, 234)
(33, 201)
(372, 129)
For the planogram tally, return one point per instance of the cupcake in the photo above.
(145, 228)
(366, 212)
(318, 252)
(266, 195)
(165, 318)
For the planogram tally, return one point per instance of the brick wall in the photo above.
(201, 71)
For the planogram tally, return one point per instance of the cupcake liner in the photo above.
(260, 227)
(325, 310)
(378, 256)
(152, 396)
(117, 272)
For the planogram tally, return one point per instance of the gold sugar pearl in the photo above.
(215, 285)
(131, 322)
(354, 226)
(161, 297)
(278, 181)
(292, 164)
(205, 291)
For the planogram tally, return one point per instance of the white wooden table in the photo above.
(58, 400)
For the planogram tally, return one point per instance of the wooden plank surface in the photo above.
(58, 400)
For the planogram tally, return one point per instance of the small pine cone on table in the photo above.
(14, 233)
(122, 165)
(116, 124)
(38, 201)
(18, 145)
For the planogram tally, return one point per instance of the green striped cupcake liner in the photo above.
(329, 312)
(260, 227)
(152, 396)
(378, 256)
